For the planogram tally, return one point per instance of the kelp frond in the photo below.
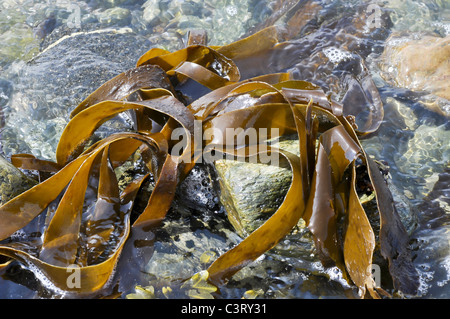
(90, 231)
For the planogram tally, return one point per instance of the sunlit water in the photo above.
(413, 139)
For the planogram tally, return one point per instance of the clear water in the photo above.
(413, 140)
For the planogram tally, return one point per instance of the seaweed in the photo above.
(88, 222)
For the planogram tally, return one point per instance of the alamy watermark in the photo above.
(376, 274)
(73, 280)
(250, 145)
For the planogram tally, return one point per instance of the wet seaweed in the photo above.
(88, 224)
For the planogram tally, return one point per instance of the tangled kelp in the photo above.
(88, 222)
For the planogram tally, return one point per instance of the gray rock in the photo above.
(51, 85)
(188, 242)
(197, 190)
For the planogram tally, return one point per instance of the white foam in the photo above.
(446, 265)
(18, 235)
(45, 281)
(336, 55)
(444, 26)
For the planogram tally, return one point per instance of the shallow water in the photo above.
(413, 139)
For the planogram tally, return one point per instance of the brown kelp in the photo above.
(87, 222)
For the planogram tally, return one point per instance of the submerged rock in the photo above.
(17, 38)
(427, 154)
(74, 66)
(403, 64)
(6, 90)
(420, 16)
(225, 21)
(18, 43)
(198, 191)
(115, 16)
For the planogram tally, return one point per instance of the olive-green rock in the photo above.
(252, 192)
(12, 181)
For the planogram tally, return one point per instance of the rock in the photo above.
(197, 190)
(115, 16)
(252, 192)
(74, 66)
(434, 236)
(18, 43)
(428, 142)
(403, 63)
(16, 37)
(416, 16)
(225, 22)
(45, 27)
(151, 11)
(414, 143)
(330, 51)
(187, 243)
(406, 211)
(12, 181)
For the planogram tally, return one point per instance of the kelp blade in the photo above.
(89, 279)
(63, 230)
(359, 242)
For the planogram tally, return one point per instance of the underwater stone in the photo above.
(419, 16)
(151, 11)
(252, 192)
(115, 16)
(6, 90)
(45, 27)
(12, 181)
(18, 43)
(180, 247)
(427, 142)
(402, 63)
